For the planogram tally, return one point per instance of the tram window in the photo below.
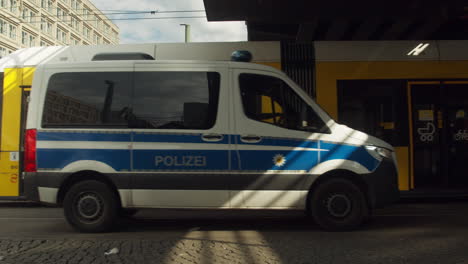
(376, 107)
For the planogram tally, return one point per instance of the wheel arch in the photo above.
(83, 176)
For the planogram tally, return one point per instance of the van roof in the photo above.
(263, 52)
(230, 64)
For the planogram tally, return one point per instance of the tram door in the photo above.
(456, 94)
(440, 134)
(427, 135)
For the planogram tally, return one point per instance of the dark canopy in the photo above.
(345, 19)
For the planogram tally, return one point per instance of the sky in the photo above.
(169, 30)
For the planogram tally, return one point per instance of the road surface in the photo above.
(404, 233)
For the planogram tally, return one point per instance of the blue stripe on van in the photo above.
(83, 136)
(347, 152)
(59, 158)
(125, 137)
(216, 159)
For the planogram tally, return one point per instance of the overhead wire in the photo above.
(152, 12)
(114, 19)
(82, 17)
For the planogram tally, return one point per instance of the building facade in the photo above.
(32, 23)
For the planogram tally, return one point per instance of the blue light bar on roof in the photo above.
(241, 55)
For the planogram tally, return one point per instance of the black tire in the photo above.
(338, 205)
(91, 206)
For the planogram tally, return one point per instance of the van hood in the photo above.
(366, 139)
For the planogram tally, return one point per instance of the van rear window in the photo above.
(87, 99)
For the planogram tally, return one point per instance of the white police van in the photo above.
(121, 132)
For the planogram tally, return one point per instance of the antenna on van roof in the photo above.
(122, 56)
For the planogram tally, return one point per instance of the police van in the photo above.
(109, 132)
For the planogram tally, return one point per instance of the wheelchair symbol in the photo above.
(427, 133)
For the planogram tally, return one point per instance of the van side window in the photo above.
(87, 99)
(175, 100)
(270, 100)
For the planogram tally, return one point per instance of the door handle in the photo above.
(251, 139)
(212, 137)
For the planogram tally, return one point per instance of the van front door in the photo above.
(180, 137)
(277, 142)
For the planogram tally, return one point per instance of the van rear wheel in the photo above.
(338, 205)
(91, 206)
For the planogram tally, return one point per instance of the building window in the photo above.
(28, 15)
(25, 38)
(88, 13)
(74, 41)
(3, 27)
(85, 12)
(32, 41)
(12, 31)
(74, 4)
(64, 37)
(46, 26)
(24, 14)
(32, 17)
(61, 13)
(74, 23)
(3, 52)
(59, 35)
(86, 31)
(49, 28)
(43, 25)
(4, 3)
(13, 6)
(50, 6)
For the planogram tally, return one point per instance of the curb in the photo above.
(19, 204)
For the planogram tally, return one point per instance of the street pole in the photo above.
(187, 32)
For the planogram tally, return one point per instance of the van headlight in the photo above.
(380, 152)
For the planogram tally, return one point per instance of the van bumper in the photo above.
(31, 186)
(383, 184)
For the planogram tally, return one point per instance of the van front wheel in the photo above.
(90, 206)
(338, 205)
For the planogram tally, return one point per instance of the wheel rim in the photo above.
(338, 205)
(89, 207)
